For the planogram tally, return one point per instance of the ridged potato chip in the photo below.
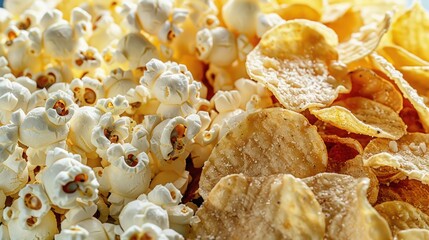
(267, 142)
(411, 191)
(297, 61)
(407, 91)
(409, 155)
(402, 216)
(363, 116)
(366, 83)
(365, 41)
(411, 31)
(275, 207)
(348, 213)
(413, 233)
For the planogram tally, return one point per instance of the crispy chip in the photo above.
(274, 207)
(365, 41)
(367, 83)
(409, 155)
(337, 14)
(297, 11)
(413, 233)
(267, 142)
(418, 78)
(401, 216)
(411, 191)
(340, 150)
(348, 213)
(297, 61)
(363, 116)
(411, 31)
(410, 93)
(400, 57)
(356, 169)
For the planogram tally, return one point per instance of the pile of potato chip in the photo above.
(345, 156)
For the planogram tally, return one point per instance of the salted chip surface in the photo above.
(348, 213)
(267, 142)
(410, 93)
(297, 61)
(275, 207)
(402, 216)
(363, 116)
(365, 41)
(408, 155)
(368, 84)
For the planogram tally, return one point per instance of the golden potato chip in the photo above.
(409, 155)
(413, 192)
(363, 116)
(413, 233)
(367, 83)
(402, 216)
(365, 41)
(340, 150)
(411, 31)
(418, 78)
(399, 56)
(348, 213)
(407, 91)
(275, 207)
(356, 169)
(337, 14)
(411, 118)
(327, 129)
(267, 142)
(297, 61)
(297, 11)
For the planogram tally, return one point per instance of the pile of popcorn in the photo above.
(106, 105)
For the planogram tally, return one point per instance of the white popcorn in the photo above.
(82, 217)
(86, 59)
(170, 29)
(60, 41)
(129, 173)
(203, 13)
(141, 102)
(5, 18)
(68, 182)
(4, 232)
(180, 181)
(4, 69)
(116, 105)
(216, 46)
(251, 91)
(150, 231)
(117, 203)
(151, 14)
(18, 53)
(109, 131)
(13, 96)
(13, 173)
(81, 21)
(87, 91)
(180, 218)
(241, 16)
(119, 82)
(32, 203)
(105, 31)
(60, 108)
(137, 50)
(165, 196)
(73, 233)
(139, 212)
(266, 22)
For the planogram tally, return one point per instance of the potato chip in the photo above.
(411, 191)
(411, 31)
(409, 155)
(267, 142)
(340, 150)
(400, 57)
(367, 83)
(408, 92)
(363, 116)
(411, 118)
(413, 233)
(297, 61)
(348, 213)
(337, 14)
(418, 78)
(327, 129)
(275, 207)
(402, 216)
(356, 169)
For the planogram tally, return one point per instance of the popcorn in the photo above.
(139, 212)
(266, 22)
(108, 131)
(87, 59)
(73, 233)
(165, 196)
(13, 96)
(241, 16)
(151, 231)
(119, 82)
(104, 31)
(68, 182)
(216, 46)
(33, 203)
(87, 91)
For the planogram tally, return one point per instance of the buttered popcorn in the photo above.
(112, 110)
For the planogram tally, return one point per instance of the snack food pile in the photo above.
(214, 119)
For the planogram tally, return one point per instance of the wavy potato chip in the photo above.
(400, 57)
(365, 41)
(409, 155)
(411, 31)
(407, 91)
(297, 61)
(402, 216)
(297, 11)
(348, 213)
(418, 78)
(275, 207)
(411, 191)
(413, 233)
(267, 142)
(363, 116)
(368, 84)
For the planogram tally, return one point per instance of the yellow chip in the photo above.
(367, 83)
(348, 213)
(275, 207)
(411, 234)
(402, 216)
(267, 142)
(337, 14)
(411, 31)
(409, 155)
(399, 57)
(418, 78)
(297, 11)
(365, 41)
(410, 191)
(297, 61)
(363, 116)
